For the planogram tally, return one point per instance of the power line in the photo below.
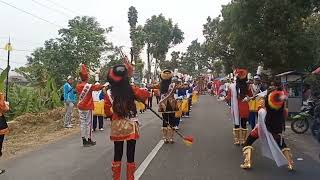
(55, 10)
(67, 9)
(22, 50)
(14, 62)
(26, 12)
(21, 41)
(25, 41)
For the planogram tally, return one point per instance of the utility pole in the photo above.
(9, 49)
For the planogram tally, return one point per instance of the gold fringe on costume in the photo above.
(123, 130)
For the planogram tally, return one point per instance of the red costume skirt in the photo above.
(124, 130)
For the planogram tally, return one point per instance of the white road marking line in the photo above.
(147, 161)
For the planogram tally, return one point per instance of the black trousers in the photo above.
(190, 104)
(1, 142)
(158, 99)
(118, 150)
(100, 121)
(169, 118)
(243, 123)
(150, 101)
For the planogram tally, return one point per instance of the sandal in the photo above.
(2, 171)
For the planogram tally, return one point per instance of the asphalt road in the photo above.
(213, 156)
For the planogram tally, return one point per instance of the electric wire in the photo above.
(59, 5)
(31, 14)
(48, 7)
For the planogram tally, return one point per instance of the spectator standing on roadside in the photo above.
(70, 98)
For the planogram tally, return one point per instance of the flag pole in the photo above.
(8, 47)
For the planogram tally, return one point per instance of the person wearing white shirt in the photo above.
(98, 110)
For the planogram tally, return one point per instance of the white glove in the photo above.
(106, 84)
(246, 99)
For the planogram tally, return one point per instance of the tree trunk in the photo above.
(149, 64)
(132, 56)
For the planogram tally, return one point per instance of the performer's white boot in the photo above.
(287, 153)
(236, 136)
(247, 154)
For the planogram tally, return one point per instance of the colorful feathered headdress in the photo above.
(276, 99)
(84, 75)
(118, 72)
(241, 73)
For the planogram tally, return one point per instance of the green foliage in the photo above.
(25, 99)
(83, 41)
(137, 36)
(312, 25)
(113, 58)
(3, 77)
(161, 35)
(174, 63)
(132, 17)
(281, 35)
(193, 62)
(314, 82)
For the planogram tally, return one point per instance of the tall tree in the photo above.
(216, 46)
(137, 37)
(269, 32)
(161, 35)
(112, 58)
(172, 64)
(82, 42)
(192, 61)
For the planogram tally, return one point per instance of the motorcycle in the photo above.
(301, 122)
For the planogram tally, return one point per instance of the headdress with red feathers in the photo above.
(276, 99)
(241, 73)
(118, 72)
(84, 75)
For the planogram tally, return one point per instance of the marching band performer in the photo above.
(253, 103)
(86, 106)
(120, 105)
(4, 130)
(238, 95)
(168, 105)
(271, 125)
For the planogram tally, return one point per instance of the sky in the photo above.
(27, 32)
